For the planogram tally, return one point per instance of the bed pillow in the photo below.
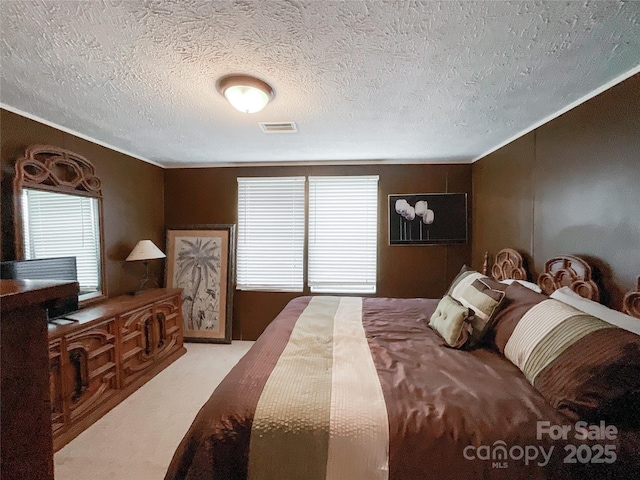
(530, 285)
(481, 294)
(484, 301)
(450, 320)
(518, 300)
(582, 365)
(619, 319)
(463, 279)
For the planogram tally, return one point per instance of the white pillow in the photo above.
(619, 319)
(529, 285)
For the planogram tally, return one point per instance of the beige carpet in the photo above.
(136, 440)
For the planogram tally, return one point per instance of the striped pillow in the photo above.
(450, 321)
(474, 290)
(579, 363)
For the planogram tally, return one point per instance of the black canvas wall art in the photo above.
(428, 219)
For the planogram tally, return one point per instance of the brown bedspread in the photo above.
(447, 409)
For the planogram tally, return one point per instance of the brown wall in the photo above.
(134, 192)
(209, 196)
(571, 186)
(132, 196)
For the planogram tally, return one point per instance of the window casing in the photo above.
(271, 234)
(342, 231)
(343, 234)
(61, 225)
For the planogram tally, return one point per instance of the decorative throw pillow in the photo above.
(582, 365)
(463, 279)
(475, 291)
(450, 321)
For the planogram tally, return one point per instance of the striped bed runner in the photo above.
(322, 412)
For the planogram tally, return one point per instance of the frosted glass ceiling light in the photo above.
(245, 93)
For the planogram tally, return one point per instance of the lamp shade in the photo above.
(145, 250)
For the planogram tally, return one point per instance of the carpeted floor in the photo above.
(136, 440)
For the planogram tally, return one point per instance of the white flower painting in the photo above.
(428, 219)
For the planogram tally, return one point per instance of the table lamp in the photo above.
(145, 250)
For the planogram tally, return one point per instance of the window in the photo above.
(60, 225)
(342, 234)
(271, 234)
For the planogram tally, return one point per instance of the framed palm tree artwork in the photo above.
(201, 261)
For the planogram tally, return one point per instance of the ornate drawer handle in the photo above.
(162, 329)
(78, 359)
(147, 336)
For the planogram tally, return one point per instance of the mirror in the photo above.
(58, 213)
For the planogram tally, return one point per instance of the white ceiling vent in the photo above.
(278, 127)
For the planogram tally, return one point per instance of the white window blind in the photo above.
(343, 230)
(271, 233)
(60, 225)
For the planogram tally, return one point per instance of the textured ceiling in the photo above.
(366, 81)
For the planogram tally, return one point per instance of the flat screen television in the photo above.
(61, 268)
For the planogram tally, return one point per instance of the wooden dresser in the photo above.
(25, 424)
(100, 355)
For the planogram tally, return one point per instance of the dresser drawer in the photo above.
(91, 374)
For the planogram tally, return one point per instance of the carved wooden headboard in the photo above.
(561, 271)
(631, 302)
(509, 263)
(569, 271)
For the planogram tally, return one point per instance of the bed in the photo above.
(368, 388)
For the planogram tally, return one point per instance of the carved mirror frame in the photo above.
(53, 169)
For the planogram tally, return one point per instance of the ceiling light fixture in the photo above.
(245, 93)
